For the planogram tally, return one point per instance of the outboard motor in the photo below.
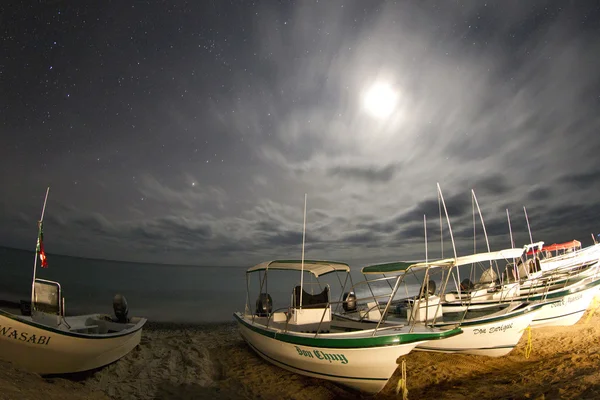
(428, 288)
(466, 285)
(264, 305)
(121, 309)
(25, 307)
(349, 301)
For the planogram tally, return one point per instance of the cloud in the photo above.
(190, 195)
(369, 174)
(500, 98)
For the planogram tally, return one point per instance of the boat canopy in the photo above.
(494, 255)
(447, 262)
(391, 267)
(533, 247)
(317, 268)
(563, 246)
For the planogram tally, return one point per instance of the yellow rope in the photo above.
(402, 382)
(529, 345)
(594, 307)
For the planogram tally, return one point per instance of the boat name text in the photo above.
(321, 355)
(494, 329)
(574, 298)
(10, 332)
(570, 299)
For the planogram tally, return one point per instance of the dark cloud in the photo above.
(369, 174)
(539, 194)
(581, 180)
(495, 184)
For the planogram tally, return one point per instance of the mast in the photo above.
(302, 268)
(36, 252)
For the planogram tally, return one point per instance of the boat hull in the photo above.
(495, 338)
(568, 311)
(565, 306)
(363, 368)
(48, 351)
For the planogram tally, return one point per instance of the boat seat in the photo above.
(319, 300)
(80, 325)
(82, 328)
(372, 313)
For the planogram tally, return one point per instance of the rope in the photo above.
(529, 345)
(402, 382)
(594, 307)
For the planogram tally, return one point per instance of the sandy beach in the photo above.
(212, 362)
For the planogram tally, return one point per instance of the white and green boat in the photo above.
(490, 332)
(301, 336)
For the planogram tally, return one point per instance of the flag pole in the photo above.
(303, 237)
(36, 249)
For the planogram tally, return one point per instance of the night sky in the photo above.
(189, 132)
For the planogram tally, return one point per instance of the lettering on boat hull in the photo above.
(321, 355)
(12, 333)
(494, 329)
(572, 299)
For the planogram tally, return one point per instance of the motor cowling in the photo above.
(466, 285)
(120, 307)
(428, 288)
(349, 302)
(264, 305)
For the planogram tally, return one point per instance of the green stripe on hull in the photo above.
(480, 321)
(350, 343)
(446, 350)
(561, 316)
(539, 297)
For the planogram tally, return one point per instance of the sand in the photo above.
(212, 362)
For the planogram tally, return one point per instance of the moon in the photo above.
(380, 100)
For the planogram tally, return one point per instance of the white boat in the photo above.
(568, 305)
(48, 342)
(300, 337)
(554, 259)
(567, 299)
(565, 285)
(491, 332)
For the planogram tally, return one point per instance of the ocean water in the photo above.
(162, 293)
(168, 293)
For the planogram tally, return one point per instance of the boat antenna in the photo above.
(303, 237)
(482, 223)
(36, 253)
(528, 229)
(450, 229)
(441, 230)
(426, 278)
(474, 239)
(512, 246)
(447, 219)
(512, 242)
(425, 228)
